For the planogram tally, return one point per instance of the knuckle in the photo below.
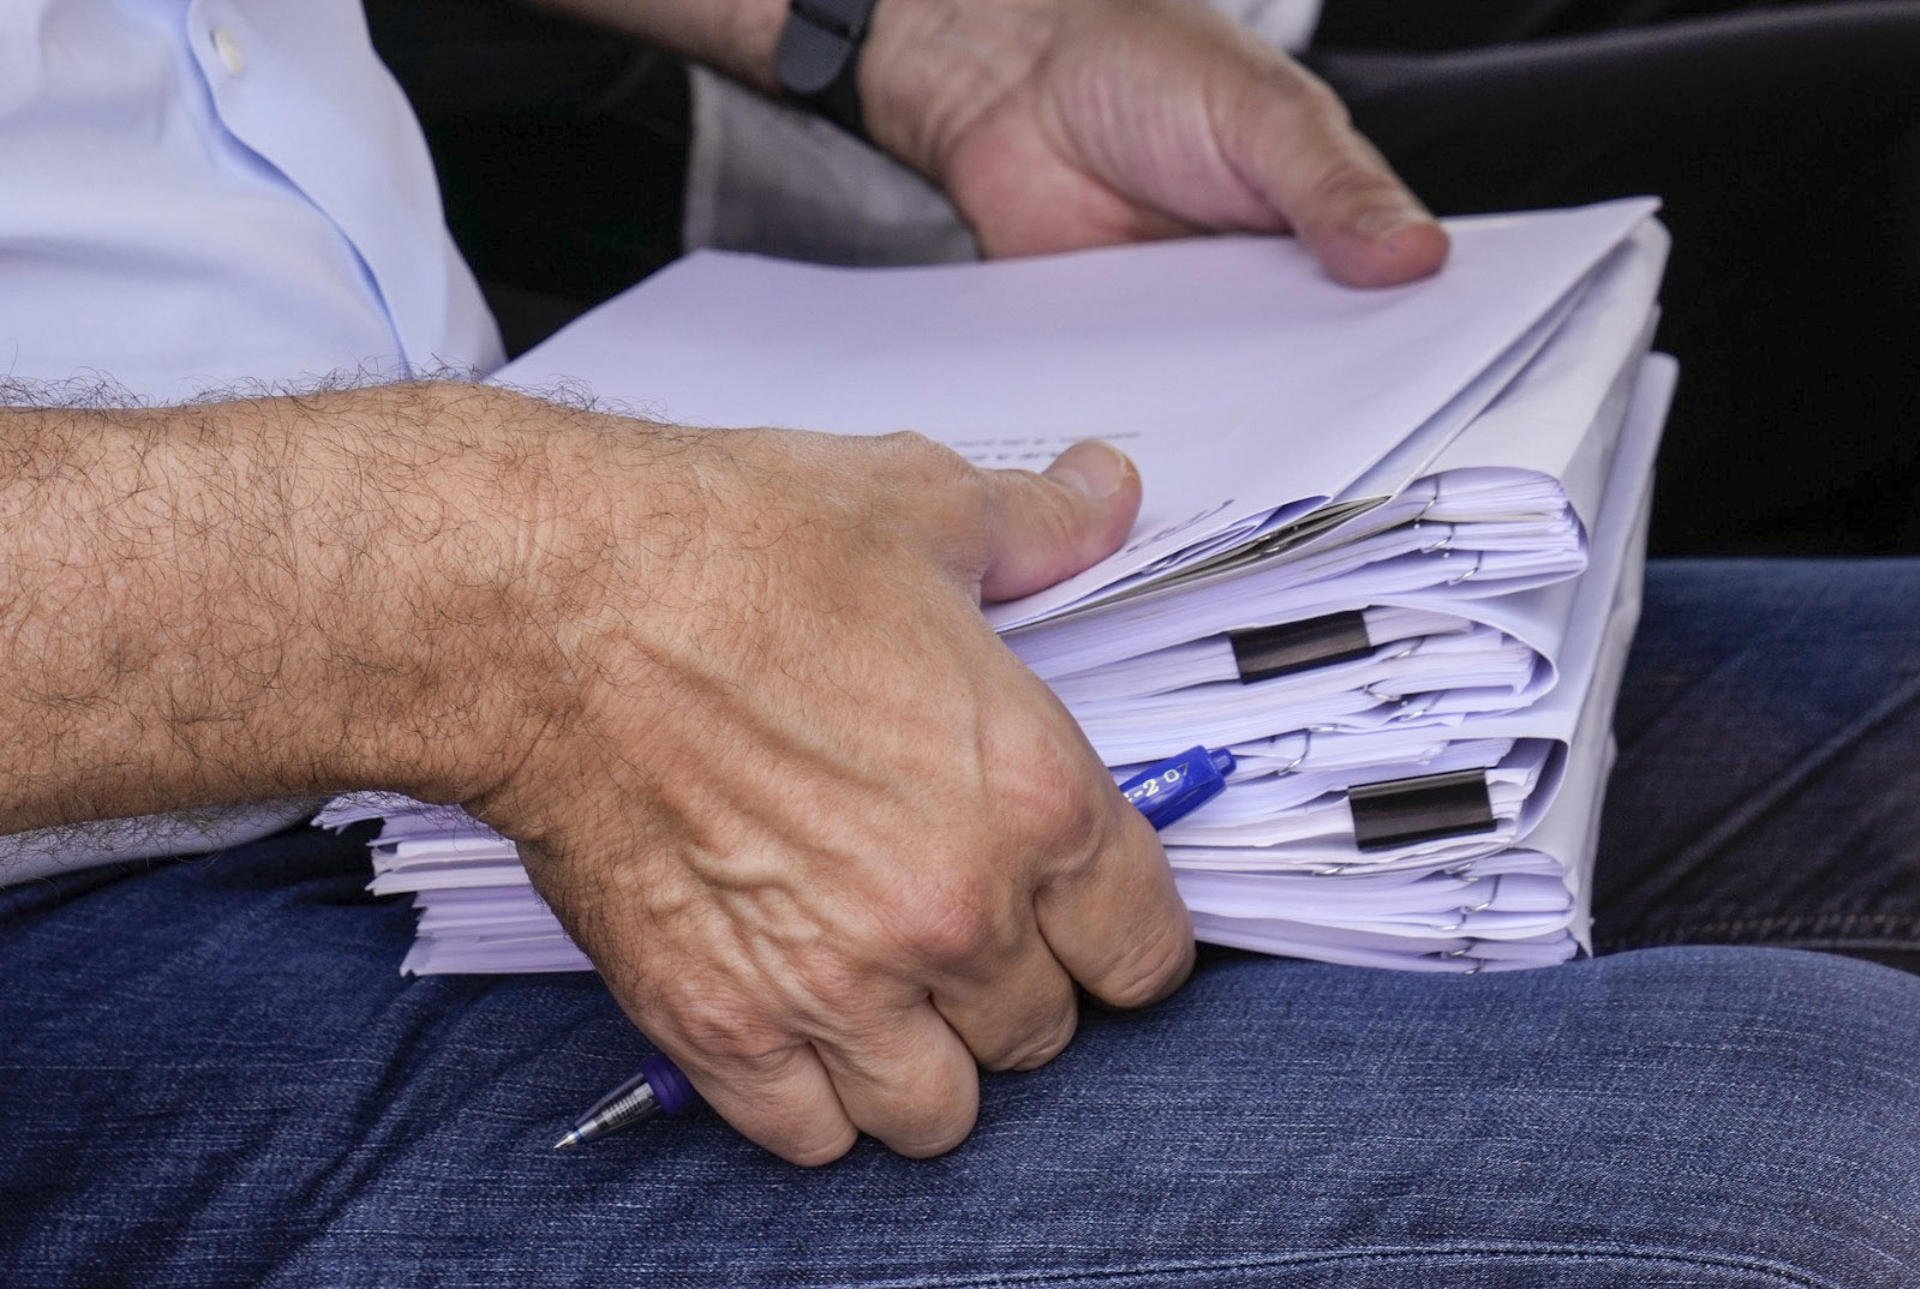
(912, 447)
(930, 1129)
(826, 1142)
(1043, 1047)
(1348, 183)
(1048, 806)
(1067, 823)
(1318, 100)
(727, 1036)
(935, 485)
(960, 921)
(1148, 969)
(926, 462)
(1288, 98)
(938, 1144)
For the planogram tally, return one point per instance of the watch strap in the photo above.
(817, 61)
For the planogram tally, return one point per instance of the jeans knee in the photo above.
(1780, 1103)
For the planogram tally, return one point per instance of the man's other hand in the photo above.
(832, 846)
(1057, 124)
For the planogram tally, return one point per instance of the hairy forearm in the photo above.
(258, 598)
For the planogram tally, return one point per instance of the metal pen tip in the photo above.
(572, 1139)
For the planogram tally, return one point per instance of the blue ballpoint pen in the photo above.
(1163, 793)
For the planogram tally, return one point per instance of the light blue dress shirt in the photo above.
(202, 194)
(207, 192)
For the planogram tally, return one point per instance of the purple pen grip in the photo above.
(669, 1086)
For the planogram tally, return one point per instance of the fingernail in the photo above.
(1092, 468)
(1382, 222)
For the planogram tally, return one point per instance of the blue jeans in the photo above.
(212, 1074)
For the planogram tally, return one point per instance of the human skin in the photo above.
(1059, 124)
(831, 846)
(731, 691)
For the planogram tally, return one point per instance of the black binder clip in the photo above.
(1265, 652)
(1401, 812)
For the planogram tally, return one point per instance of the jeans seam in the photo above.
(1773, 1273)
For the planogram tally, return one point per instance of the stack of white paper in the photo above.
(1390, 554)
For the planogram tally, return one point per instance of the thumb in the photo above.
(1297, 147)
(1043, 528)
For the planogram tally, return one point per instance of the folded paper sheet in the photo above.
(1451, 678)
(1531, 750)
(1010, 362)
(1505, 510)
(1397, 599)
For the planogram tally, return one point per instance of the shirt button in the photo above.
(229, 50)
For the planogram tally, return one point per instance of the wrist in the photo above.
(932, 66)
(473, 603)
(583, 525)
(927, 67)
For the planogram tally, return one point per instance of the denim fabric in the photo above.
(211, 1075)
(1768, 788)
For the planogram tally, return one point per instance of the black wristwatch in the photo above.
(817, 62)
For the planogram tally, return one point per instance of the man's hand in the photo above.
(1056, 124)
(1059, 124)
(830, 844)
